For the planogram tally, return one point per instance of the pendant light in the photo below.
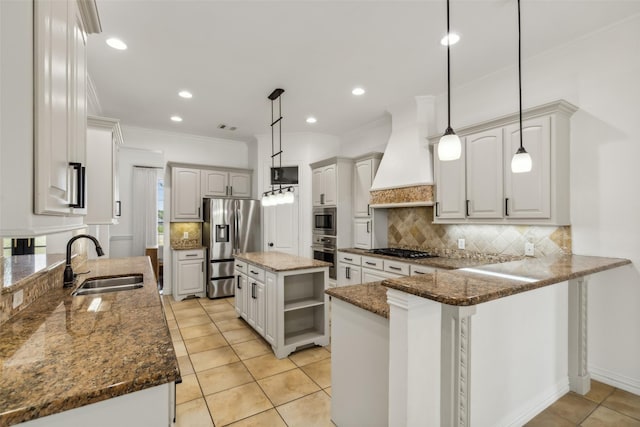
(280, 195)
(449, 147)
(521, 161)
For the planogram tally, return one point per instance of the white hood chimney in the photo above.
(405, 174)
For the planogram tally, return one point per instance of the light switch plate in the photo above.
(18, 298)
(461, 243)
(529, 249)
(185, 235)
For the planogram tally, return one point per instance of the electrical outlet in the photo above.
(185, 235)
(461, 243)
(18, 298)
(529, 249)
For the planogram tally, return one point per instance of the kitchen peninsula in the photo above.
(282, 297)
(483, 346)
(102, 360)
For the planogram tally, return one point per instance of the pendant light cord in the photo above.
(520, 73)
(449, 71)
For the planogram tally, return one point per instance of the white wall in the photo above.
(600, 75)
(371, 137)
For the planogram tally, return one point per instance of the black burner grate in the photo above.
(402, 253)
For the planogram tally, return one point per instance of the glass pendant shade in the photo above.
(449, 147)
(265, 200)
(521, 161)
(289, 197)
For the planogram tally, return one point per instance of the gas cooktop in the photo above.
(402, 253)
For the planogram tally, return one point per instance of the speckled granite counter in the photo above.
(442, 262)
(368, 296)
(279, 261)
(18, 268)
(63, 352)
(489, 282)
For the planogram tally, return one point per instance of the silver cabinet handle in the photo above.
(368, 227)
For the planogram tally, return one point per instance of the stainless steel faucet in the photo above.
(69, 276)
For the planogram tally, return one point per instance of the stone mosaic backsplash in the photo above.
(413, 228)
(194, 235)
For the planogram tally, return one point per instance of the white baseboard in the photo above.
(632, 385)
(540, 403)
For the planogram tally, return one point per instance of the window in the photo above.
(160, 211)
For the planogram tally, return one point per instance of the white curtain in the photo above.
(145, 209)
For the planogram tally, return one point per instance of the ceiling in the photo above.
(232, 54)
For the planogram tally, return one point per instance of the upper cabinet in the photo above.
(224, 183)
(324, 186)
(364, 170)
(480, 187)
(186, 200)
(103, 194)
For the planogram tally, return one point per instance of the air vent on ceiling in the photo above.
(225, 127)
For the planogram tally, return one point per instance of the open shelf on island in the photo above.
(303, 325)
(302, 303)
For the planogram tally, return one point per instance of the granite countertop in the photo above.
(279, 261)
(437, 262)
(63, 352)
(17, 268)
(368, 296)
(187, 247)
(473, 286)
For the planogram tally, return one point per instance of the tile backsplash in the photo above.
(194, 235)
(413, 228)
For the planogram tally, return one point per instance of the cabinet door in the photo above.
(528, 195)
(261, 307)
(317, 187)
(240, 298)
(330, 183)
(270, 328)
(348, 274)
(215, 183)
(191, 276)
(362, 233)
(450, 187)
(377, 275)
(484, 174)
(239, 184)
(362, 180)
(185, 194)
(52, 139)
(281, 227)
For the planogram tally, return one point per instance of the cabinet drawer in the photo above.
(255, 272)
(191, 254)
(241, 267)
(396, 267)
(349, 258)
(371, 262)
(421, 269)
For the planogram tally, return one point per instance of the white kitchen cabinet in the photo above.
(103, 139)
(60, 108)
(324, 186)
(495, 195)
(450, 187)
(348, 271)
(257, 306)
(362, 233)
(226, 183)
(188, 273)
(271, 325)
(528, 195)
(370, 275)
(484, 174)
(240, 294)
(186, 201)
(416, 270)
(364, 171)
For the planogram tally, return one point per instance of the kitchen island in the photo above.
(282, 297)
(525, 348)
(101, 360)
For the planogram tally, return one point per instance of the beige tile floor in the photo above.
(231, 377)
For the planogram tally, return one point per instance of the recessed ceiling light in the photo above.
(176, 118)
(358, 91)
(116, 43)
(311, 120)
(185, 94)
(451, 39)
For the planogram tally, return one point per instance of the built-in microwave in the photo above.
(324, 221)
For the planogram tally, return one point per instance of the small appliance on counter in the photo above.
(230, 226)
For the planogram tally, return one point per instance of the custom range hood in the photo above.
(405, 174)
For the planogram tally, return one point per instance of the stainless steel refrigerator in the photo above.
(230, 226)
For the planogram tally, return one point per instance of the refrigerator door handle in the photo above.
(236, 243)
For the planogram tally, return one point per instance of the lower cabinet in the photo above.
(288, 308)
(188, 273)
(355, 269)
(362, 233)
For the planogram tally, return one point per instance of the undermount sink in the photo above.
(104, 284)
